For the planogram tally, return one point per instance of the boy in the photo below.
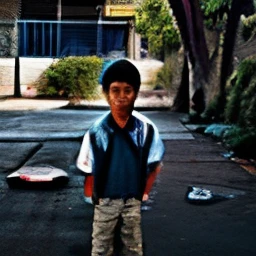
(121, 155)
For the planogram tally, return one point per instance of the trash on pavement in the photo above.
(217, 130)
(198, 195)
(37, 177)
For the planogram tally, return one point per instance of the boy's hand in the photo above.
(150, 180)
(145, 197)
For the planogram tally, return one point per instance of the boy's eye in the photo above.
(127, 91)
(114, 90)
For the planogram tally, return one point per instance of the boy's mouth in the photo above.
(120, 102)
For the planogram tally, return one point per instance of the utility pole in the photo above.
(99, 30)
(17, 92)
(59, 10)
(59, 17)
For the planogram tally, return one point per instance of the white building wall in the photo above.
(30, 70)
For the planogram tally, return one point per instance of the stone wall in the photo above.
(8, 50)
(8, 39)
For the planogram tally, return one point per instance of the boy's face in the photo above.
(121, 95)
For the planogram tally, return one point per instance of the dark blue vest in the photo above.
(109, 170)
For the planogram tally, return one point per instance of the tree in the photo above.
(155, 23)
(190, 22)
(193, 16)
(237, 8)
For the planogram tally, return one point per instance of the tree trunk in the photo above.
(181, 101)
(228, 48)
(190, 22)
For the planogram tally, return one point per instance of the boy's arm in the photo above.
(88, 185)
(155, 157)
(150, 181)
(89, 182)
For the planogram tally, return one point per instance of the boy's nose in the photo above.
(122, 94)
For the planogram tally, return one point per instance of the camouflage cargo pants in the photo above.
(106, 216)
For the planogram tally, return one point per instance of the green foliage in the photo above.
(241, 141)
(239, 111)
(247, 115)
(215, 12)
(248, 26)
(240, 99)
(213, 113)
(213, 6)
(155, 23)
(165, 74)
(73, 77)
(214, 110)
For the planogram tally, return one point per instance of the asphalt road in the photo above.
(57, 222)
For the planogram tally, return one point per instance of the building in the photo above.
(58, 28)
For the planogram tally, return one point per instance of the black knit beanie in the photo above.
(121, 71)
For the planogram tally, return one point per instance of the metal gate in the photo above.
(71, 38)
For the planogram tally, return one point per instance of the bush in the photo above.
(73, 77)
(169, 73)
(213, 112)
(241, 141)
(247, 115)
(165, 74)
(248, 27)
(240, 110)
(238, 98)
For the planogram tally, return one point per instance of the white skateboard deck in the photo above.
(34, 174)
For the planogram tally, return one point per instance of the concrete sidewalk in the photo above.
(147, 99)
(38, 120)
(22, 104)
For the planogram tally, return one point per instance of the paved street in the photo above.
(57, 222)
